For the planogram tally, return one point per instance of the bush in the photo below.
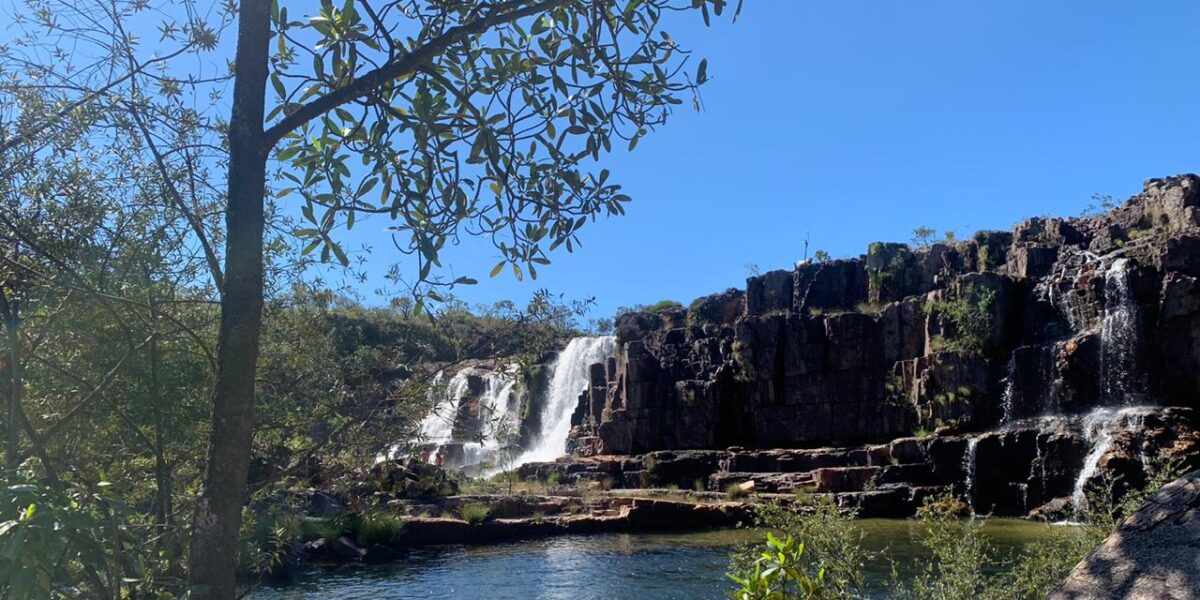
(663, 306)
(962, 564)
(780, 572)
(968, 318)
(315, 529)
(734, 491)
(380, 527)
(474, 513)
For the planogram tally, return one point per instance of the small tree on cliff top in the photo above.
(455, 117)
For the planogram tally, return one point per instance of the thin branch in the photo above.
(397, 69)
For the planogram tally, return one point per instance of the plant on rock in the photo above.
(968, 319)
(474, 513)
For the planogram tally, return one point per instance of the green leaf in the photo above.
(702, 72)
(496, 269)
(278, 83)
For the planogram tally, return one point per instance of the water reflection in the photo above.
(609, 567)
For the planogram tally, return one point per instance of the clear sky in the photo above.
(849, 121)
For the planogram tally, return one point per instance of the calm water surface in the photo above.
(601, 567)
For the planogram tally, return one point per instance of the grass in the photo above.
(734, 491)
(316, 529)
(474, 513)
(380, 527)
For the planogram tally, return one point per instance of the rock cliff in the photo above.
(1032, 347)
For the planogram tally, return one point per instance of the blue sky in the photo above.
(853, 121)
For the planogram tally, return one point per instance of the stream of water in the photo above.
(610, 567)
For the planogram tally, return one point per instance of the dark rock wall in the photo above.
(842, 352)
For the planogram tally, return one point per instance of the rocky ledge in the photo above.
(525, 516)
(1033, 467)
(1028, 363)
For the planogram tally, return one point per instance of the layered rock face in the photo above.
(1057, 317)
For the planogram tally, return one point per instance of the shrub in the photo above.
(779, 572)
(962, 564)
(968, 318)
(315, 529)
(380, 527)
(873, 309)
(734, 491)
(474, 513)
(663, 306)
(832, 545)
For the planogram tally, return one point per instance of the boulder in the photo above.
(1153, 555)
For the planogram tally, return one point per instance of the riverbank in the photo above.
(612, 566)
(478, 520)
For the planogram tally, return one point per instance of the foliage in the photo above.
(664, 306)
(923, 236)
(38, 527)
(779, 573)
(735, 491)
(474, 513)
(968, 319)
(380, 527)
(821, 256)
(961, 563)
(1100, 204)
(958, 554)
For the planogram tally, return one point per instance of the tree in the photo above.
(923, 236)
(450, 118)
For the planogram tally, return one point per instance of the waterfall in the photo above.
(1099, 429)
(968, 467)
(437, 426)
(1008, 400)
(568, 379)
(1119, 338)
(498, 404)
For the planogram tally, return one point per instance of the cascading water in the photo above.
(438, 425)
(969, 470)
(1099, 429)
(569, 378)
(1119, 338)
(498, 404)
(1008, 399)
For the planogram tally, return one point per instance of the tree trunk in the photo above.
(219, 508)
(162, 470)
(12, 321)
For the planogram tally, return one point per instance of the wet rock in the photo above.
(346, 549)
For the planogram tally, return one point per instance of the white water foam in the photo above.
(568, 379)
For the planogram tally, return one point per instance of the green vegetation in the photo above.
(967, 320)
(826, 546)
(664, 306)
(380, 527)
(151, 242)
(780, 572)
(474, 513)
(923, 237)
(735, 491)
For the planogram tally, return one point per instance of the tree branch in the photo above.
(406, 65)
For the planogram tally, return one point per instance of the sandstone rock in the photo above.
(768, 293)
(1152, 556)
(844, 479)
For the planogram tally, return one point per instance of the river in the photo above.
(600, 567)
